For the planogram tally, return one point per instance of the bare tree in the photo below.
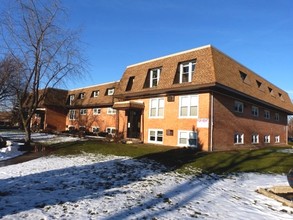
(32, 32)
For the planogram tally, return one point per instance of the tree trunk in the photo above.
(27, 139)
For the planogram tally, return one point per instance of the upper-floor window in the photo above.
(81, 95)
(186, 71)
(254, 111)
(277, 116)
(130, 83)
(238, 106)
(267, 114)
(157, 108)
(111, 111)
(154, 77)
(95, 93)
(110, 91)
(71, 99)
(96, 111)
(188, 106)
(72, 115)
(83, 111)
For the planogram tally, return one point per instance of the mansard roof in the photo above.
(214, 71)
(92, 96)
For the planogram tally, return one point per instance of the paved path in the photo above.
(23, 158)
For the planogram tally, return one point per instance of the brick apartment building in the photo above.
(199, 98)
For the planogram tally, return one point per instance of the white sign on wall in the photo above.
(203, 123)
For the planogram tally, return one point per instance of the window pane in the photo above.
(193, 111)
(153, 112)
(183, 111)
(161, 112)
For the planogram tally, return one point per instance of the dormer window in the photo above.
(258, 84)
(71, 99)
(154, 77)
(243, 75)
(186, 71)
(95, 93)
(130, 83)
(110, 91)
(81, 95)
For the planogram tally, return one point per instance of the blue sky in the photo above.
(118, 33)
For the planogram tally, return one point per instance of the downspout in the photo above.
(212, 121)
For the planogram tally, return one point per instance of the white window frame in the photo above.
(97, 111)
(152, 78)
(95, 127)
(82, 95)
(189, 105)
(267, 114)
(96, 93)
(72, 114)
(277, 139)
(238, 107)
(238, 138)
(255, 111)
(71, 99)
(110, 91)
(267, 139)
(255, 139)
(188, 135)
(191, 68)
(111, 130)
(156, 108)
(83, 111)
(157, 136)
(111, 111)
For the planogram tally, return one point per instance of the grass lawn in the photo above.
(266, 160)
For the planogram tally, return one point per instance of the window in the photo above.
(111, 111)
(71, 99)
(255, 139)
(188, 106)
(156, 136)
(111, 130)
(72, 115)
(95, 129)
(157, 108)
(277, 139)
(238, 106)
(186, 71)
(267, 114)
(254, 111)
(187, 138)
(96, 111)
(110, 91)
(95, 93)
(83, 111)
(154, 77)
(243, 75)
(238, 138)
(258, 83)
(267, 139)
(81, 95)
(130, 83)
(277, 116)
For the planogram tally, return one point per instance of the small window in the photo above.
(71, 99)
(255, 139)
(243, 75)
(81, 95)
(96, 111)
(238, 106)
(72, 115)
(95, 130)
(155, 136)
(238, 138)
(157, 108)
(254, 111)
(111, 111)
(187, 138)
(154, 77)
(258, 83)
(83, 111)
(281, 96)
(130, 83)
(111, 130)
(267, 139)
(267, 114)
(277, 116)
(277, 139)
(110, 91)
(186, 71)
(95, 93)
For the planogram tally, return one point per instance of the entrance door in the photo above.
(133, 123)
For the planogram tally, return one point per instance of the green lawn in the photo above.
(266, 160)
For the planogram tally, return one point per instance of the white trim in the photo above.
(87, 87)
(156, 136)
(189, 133)
(157, 107)
(98, 112)
(189, 105)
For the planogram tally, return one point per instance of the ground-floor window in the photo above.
(187, 138)
(255, 139)
(156, 136)
(267, 139)
(95, 129)
(111, 130)
(238, 138)
(277, 139)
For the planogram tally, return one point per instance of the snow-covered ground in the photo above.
(110, 187)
